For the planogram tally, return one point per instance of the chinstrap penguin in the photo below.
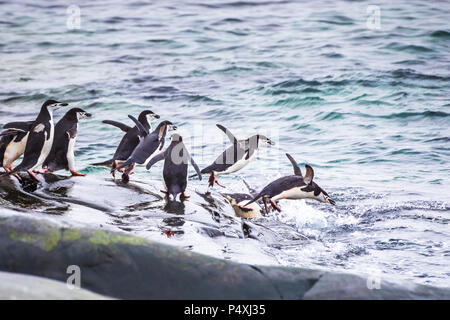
(13, 141)
(176, 158)
(62, 155)
(130, 140)
(235, 157)
(40, 139)
(149, 145)
(238, 201)
(293, 187)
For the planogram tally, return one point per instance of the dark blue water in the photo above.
(368, 109)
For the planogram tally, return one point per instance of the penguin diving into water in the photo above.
(293, 187)
(62, 155)
(13, 141)
(238, 200)
(176, 158)
(149, 145)
(130, 140)
(40, 140)
(235, 157)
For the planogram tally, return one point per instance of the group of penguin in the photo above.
(47, 148)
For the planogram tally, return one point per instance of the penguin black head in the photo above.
(176, 138)
(318, 193)
(147, 116)
(77, 114)
(170, 126)
(259, 140)
(53, 104)
(263, 140)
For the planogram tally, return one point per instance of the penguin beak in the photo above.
(87, 115)
(58, 105)
(155, 116)
(270, 142)
(330, 201)
(172, 127)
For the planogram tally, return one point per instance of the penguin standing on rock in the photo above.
(13, 141)
(235, 157)
(130, 140)
(149, 145)
(40, 140)
(293, 187)
(62, 155)
(176, 158)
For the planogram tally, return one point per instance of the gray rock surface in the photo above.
(123, 266)
(14, 286)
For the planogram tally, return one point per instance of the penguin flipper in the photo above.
(155, 159)
(19, 125)
(252, 191)
(142, 130)
(10, 132)
(197, 169)
(117, 124)
(297, 170)
(230, 136)
(309, 175)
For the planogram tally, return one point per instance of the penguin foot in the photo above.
(113, 168)
(184, 196)
(213, 180)
(265, 204)
(9, 169)
(125, 178)
(131, 170)
(275, 206)
(77, 174)
(41, 171)
(32, 175)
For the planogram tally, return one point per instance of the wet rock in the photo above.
(15, 286)
(123, 266)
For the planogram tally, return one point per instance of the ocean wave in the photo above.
(404, 115)
(412, 74)
(408, 47)
(440, 34)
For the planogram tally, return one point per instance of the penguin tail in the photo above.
(174, 191)
(106, 163)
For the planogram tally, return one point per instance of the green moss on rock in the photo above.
(71, 235)
(106, 238)
(46, 241)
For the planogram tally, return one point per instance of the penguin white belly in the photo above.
(46, 147)
(14, 150)
(163, 181)
(238, 165)
(254, 213)
(149, 158)
(294, 194)
(70, 154)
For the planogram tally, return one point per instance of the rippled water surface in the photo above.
(368, 109)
